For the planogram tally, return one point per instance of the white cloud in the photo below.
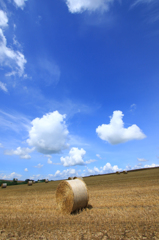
(115, 132)
(49, 133)
(11, 176)
(15, 60)
(21, 152)
(74, 158)
(3, 87)
(108, 168)
(39, 165)
(20, 3)
(26, 170)
(18, 45)
(3, 19)
(142, 160)
(1, 146)
(138, 166)
(49, 161)
(105, 169)
(98, 156)
(78, 6)
(90, 161)
(66, 173)
(152, 165)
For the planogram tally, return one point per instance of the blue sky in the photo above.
(79, 87)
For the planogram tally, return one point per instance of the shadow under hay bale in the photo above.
(30, 183)
(3, 185)
(72, 195)
(78, 211)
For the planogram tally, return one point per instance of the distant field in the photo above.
(124, 206)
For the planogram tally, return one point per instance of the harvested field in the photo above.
(120, 207)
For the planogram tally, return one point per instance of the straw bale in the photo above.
(30, 183)
(3, 185)
(117, 172)
(75, 178)
(125, 172)
(46, 180)
(70, 178)
(72, 195)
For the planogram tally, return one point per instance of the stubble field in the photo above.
(124, 206)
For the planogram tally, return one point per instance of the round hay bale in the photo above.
(125, 172)
(30, 183)
(46, 180)
(75, 178)
(72, 195)
(3, 185)
(70, 178)
(117, 172)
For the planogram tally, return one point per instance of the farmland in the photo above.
(123, 206)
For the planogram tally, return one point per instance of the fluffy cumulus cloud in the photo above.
(21, 152)
(152, 165)
(26, 170)
(65, 174)
(3, 87)
(20, 3)
(142, 160)
(75, 157)
(11, 176)
(115, 133)
(107, 168)
(3, 19)
(49, 133)
(78, 6)
(14, 60)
